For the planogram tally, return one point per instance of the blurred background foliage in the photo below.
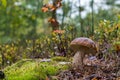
(26, 33)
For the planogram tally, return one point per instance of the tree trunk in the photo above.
(54, 16)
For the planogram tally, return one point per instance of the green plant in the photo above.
(106, 34)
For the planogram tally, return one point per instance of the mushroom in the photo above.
(82, 46)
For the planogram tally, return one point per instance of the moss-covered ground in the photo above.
(28, 69)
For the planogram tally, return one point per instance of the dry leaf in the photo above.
(44, 9)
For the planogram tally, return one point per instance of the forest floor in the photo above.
(60, 69)
(95, 69)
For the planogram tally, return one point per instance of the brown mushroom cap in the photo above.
(83, 44)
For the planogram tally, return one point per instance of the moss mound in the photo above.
(28, 69)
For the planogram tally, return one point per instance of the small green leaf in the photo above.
(4, 3)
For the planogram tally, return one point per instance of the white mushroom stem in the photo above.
(78, 60)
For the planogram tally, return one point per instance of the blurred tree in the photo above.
(92, 21)
(19, 19)
(66, 8)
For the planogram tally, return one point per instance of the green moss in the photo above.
(32, 70)
(59, 58)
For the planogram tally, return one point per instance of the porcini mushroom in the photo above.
(82, 46)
